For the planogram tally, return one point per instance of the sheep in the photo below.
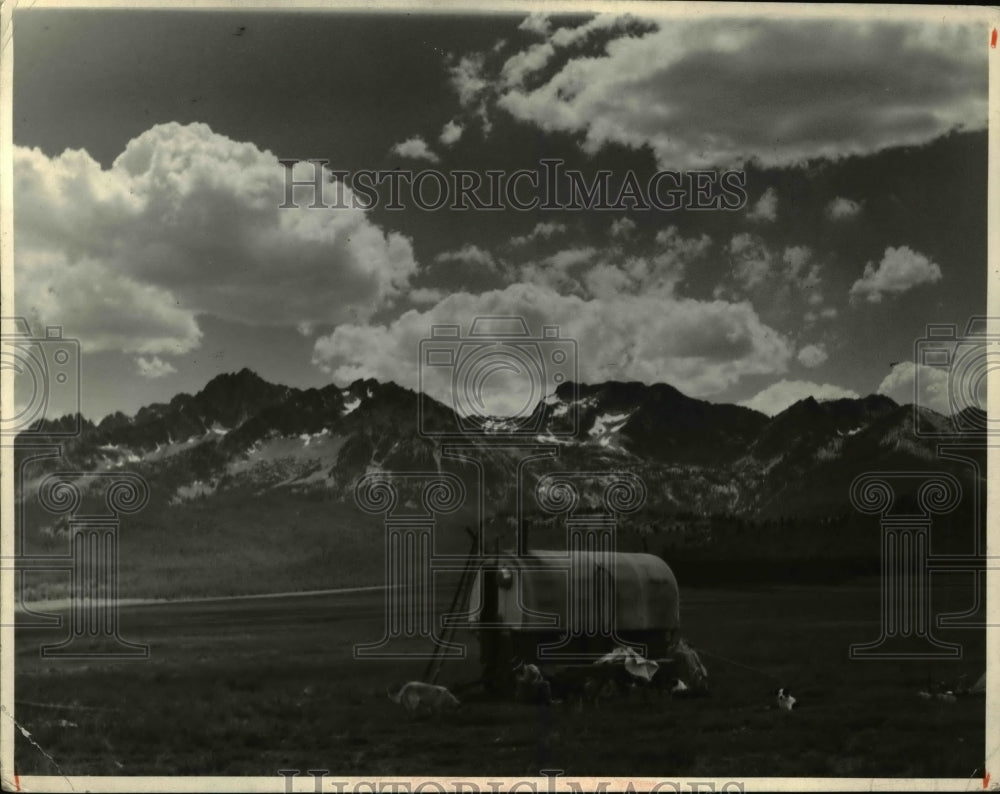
(419, 698)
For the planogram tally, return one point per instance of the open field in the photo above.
(251, 687)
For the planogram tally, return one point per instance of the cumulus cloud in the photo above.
(796, 257)
(928, 387)
(425, 295)
(828, 313)
(779, 396)
(484, 119)
(802, 272)
(591, 272)
(565, 259)
(543, 230)
(100, 304)
(468, 254)
(766, 208)
(901, 269)
(701, 347)
(661, 272)
(622, 227)
(416, 148)
(154, 367)
(187, 222)
(468, 78)
(781, 282)
(606, 25)
(450, 133)
(701, 94)
(751, 259)
(812, 356)
(689, 247)
(518, 67)
(606, 281)
(842, 208)
(537, 23)
(557, 270)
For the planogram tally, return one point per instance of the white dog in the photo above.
(420, 698)
(785, 699)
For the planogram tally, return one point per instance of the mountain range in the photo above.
(694, 456)
(252, 484)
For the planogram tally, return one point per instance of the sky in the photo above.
(147, 190)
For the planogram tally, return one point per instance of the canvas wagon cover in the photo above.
(645, 589)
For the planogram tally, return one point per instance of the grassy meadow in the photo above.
(251, 687)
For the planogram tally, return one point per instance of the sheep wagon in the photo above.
(521, 608)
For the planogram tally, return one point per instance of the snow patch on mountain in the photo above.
(186, 493)
(561, 409)
(608, 423)
(605, 429)
(548, 438)
(308, 438)
(497, 425)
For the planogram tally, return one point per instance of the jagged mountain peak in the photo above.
(245, 377)
(620, 392)
(837, 411)
(698, 455)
